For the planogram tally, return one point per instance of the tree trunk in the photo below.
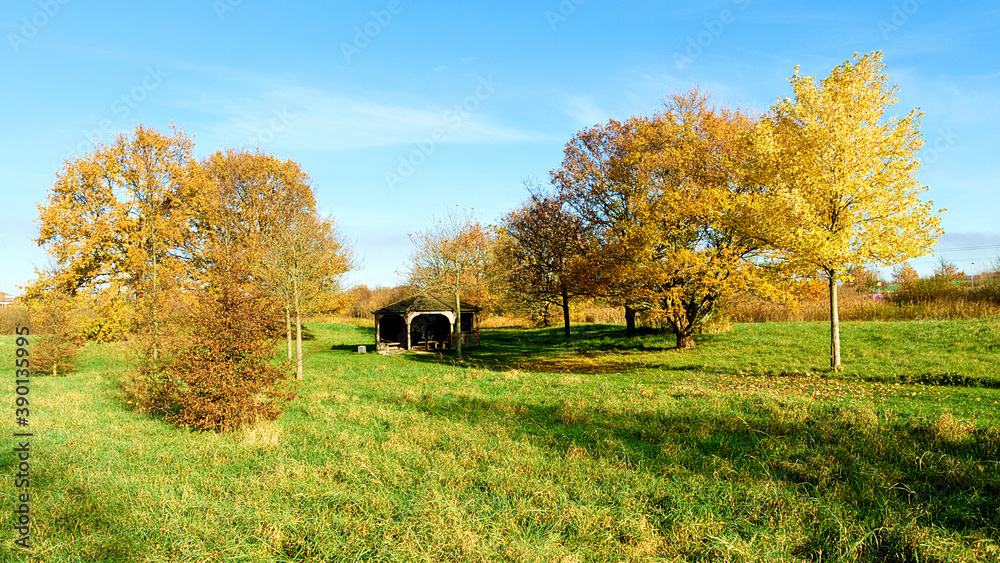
(565, 308)
(834, 324)
(288, 330)
(458, 325)
(629, 321)
(298, 331)
(685, 340)
(685, 333)
(156, 317)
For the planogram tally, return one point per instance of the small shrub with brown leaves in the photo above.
(222, 378)
(54, 354)
(57, 318)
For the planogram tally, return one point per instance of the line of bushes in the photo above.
(921, 299)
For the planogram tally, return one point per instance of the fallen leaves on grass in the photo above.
(600, 364)
(821, 387)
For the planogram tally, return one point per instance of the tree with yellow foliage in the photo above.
(676, 206)
(846, 172)
(248, 201)
(262, 210)
(303, 264)
(904, 274)
(121, 216)
(601, 181)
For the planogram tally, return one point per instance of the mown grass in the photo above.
(603, 448)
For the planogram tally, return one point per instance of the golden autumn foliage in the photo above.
(249, 198)
(221, 376)
(120, 217)
(303, 265)
(846, 172)
(697, 203)
(56, 319)
(675, 206)
(905, 273)
(264, 209)
(202, 255)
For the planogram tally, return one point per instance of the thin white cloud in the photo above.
(586, 112)
(310, 118)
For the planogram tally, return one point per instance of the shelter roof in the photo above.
(424, 302)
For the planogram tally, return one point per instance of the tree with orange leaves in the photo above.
(303, 264)
(676, 206)
(121, 217)
(251, 204)
(904, 274)
(538, 254)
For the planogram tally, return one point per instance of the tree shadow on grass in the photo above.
(352, 348)
(591, 349)
(825, 455)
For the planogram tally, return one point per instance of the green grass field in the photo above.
(600, 449)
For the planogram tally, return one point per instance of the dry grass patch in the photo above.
(952, 430)
(587, 363)
(573, 412)
(263, 434)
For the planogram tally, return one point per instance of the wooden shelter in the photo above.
(424, 322)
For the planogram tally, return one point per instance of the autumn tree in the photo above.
(848, 173)
(862, 278)
(675, 206)
(538, 254)
(905, 274)
(363, 300)
(601, 182)
(55, 320)
(947, 271)
(221, 377)
(252, 198)
(451, 257)
(263, 210)
(119, 216)
(304, 263)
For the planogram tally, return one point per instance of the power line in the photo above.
(965, 248)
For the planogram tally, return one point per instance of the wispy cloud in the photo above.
(319, 119)
(585, 111)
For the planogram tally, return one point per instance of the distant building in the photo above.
(6, 299)
(424, 322)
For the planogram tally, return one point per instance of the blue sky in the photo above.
(399, 109)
